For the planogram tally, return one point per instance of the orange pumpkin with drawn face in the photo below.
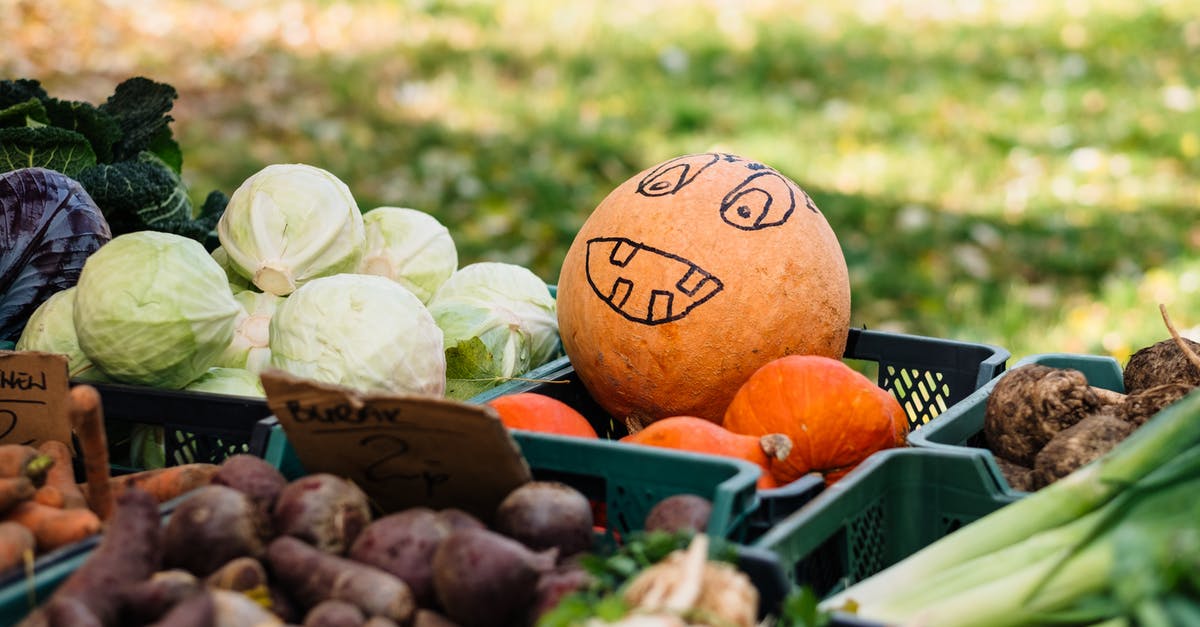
(691, 275)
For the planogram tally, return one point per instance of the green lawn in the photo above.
(1020, 173)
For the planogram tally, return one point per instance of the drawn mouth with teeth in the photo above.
(611, 264)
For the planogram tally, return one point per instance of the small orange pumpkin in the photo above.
(531, 411)
(834, 415)
(697, 435)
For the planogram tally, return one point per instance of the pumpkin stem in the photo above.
(776, 445)
(633, 424)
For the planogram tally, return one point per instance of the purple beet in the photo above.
(324, 510)
(484, 579)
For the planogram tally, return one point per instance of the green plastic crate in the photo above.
(962, 425)
(926, 375)
(628, 480)
(895, 503)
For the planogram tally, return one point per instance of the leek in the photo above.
(1063, 549)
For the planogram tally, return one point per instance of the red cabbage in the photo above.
(48, 227)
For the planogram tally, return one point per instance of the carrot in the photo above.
(15, 541)
(60, 489)
(88, 420)
(165, 484)
(53, 527)
(19, 460)
(15, 490)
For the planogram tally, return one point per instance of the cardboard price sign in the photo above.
(33, 398)
(403, 451)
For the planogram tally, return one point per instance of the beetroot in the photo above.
(324, 510)
(212, 527)
(334, 613)
(547, 514)
(403, 544)
(252, 476)
(681, 512)
(484, 579)
(311, 576)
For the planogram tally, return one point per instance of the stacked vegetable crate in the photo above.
(962, 425)
(927, 375)
(627, 480)
(895, 503)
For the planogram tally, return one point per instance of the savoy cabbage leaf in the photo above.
(29, 113)
(20, 90)
(99, 128)
(47, 147)
(140, 194)
(139, 106)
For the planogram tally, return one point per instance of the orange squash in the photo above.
(835, 416)
(692, 274)
(531, 411)
(697, 435)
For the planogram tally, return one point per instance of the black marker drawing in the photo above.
(611, 262)
(763, 200)
(671, 176)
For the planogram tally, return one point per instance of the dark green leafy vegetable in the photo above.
(47, 147)
(121, 151)
(48, 228)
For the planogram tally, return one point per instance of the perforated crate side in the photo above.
(927, 375)
(892, 505)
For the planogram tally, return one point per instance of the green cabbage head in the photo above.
(499, 321)
(250, 348)
(361, 331)
(51, 329)
(290, 223)
(153, 308)
(410, 247)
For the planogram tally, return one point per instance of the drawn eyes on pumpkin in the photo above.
(674, 175)
(762, 201)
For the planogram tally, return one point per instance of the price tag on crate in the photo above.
(403, 451)
(33, 398)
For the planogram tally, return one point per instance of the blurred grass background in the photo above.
(1020, 172)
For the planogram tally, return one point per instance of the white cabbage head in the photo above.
(410, 247)
(51, 329)
(290, 223)
(361, 331)
(153, 308)
(499, 321)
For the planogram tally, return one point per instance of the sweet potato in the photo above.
(130, 551)
(212, 527)
(312, 575)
